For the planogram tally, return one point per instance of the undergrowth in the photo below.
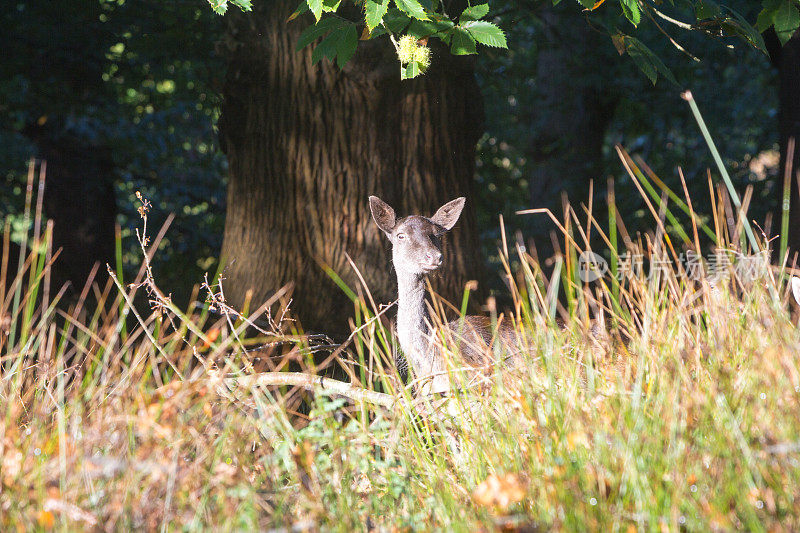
(682, 413)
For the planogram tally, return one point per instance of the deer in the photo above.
(417, 252)
(796, 289)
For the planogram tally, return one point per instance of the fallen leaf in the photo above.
(499, 492)
(45, 519)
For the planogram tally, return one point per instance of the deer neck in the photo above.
(412, 323)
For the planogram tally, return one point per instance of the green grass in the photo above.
(685, 416)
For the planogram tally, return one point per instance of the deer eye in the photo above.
(401, 236)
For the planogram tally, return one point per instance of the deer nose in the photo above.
(434, 257)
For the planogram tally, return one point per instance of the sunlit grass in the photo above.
(681, 413)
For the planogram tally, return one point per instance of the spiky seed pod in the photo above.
(405, 48)
(422, 55)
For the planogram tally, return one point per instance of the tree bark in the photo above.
(307, 145)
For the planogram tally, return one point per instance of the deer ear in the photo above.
(382, 214)
(796, 288)
(448, 214)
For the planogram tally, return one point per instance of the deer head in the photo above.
(416, 240)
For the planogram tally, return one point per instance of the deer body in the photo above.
(416, 251)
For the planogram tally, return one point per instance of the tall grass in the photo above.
(680, 413)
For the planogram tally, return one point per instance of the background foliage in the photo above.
(139, 77)
(733, 83)
(159, 96)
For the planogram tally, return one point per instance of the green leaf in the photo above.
(244, 5)
(631, 10)
(486, 33)
(707, 9)
(396, 20)
(412, 70)
(786, 20)
(339, 45)
(375, 12)
(739, 26)
(767, 15)
(219, 6)
(647, 61)
(377, 32)
(326, 48)
(588, 4)
(312, 33)
(474, 13)
(644, 64)
(330, 6)
(662, 68)
(346, 47)
(425, 28)
(412, 8)
(764, 20)
(316, 8)
(462, 43)
(302, 8)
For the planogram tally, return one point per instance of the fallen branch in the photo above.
(312, 382)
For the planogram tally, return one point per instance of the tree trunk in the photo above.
(307, 145)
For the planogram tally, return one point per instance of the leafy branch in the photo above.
(408, 23)
(411, 23)
(713, 18)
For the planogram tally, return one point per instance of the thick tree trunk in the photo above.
(307, 144)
